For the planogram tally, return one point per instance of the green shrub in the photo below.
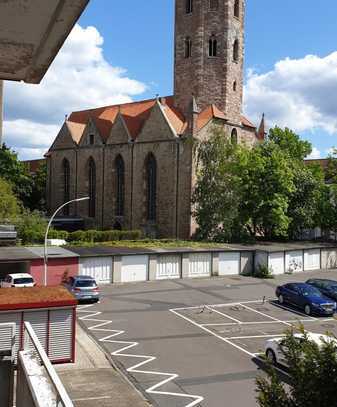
(78, 236)
(58, 234)
(130, 235)
(31, 227)
(263, 272)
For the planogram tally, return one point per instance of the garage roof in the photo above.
(53, 252)
(32, 33)
(35, 297)
(271, 247)
(16, 254)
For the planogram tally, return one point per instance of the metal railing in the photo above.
(31, 340)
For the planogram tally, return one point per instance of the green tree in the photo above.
(15, 172)
(37, 198)
(31, 226)
(312, 370)
(290, 143)
(9, 205)
(216, 196)
(266, 183)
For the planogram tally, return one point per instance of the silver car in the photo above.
(84, 288)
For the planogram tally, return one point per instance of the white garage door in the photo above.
(134, 268)
(276, 262)
(168, 266)
(294, 261)
(100, 268)
(312, 259)
(199, 265)
(229, 263)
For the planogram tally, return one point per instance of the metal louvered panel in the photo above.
(39, 323)
(60, 334)
(15, 317)
(199, 265)
(7, 336)
(168, 266)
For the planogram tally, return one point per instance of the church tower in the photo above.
(209, 51)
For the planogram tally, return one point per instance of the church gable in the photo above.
(63, 139)
(119, 133)
(91, 135)
(157, 126)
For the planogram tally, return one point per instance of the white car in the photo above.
(273, 347)
(18, 280)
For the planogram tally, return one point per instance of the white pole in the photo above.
(45, 253)
(1, 110)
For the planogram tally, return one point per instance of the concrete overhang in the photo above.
(32, 33)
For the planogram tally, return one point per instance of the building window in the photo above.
(188, 47)
(151, 187)
(120, 185)
(92, 188)
(237, 8)
(189, 6)
(66, 185)
(234, 86)
(213, 4)
(234, 137)
(236, 51)
(212, 46)
(91, 139)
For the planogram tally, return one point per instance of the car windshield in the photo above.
(23, 280)
(85, 283)
(307, 291)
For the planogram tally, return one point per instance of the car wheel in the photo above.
(271, 356)
(281, 299)
(307, 309)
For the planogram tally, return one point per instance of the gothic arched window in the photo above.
(212, 46)
(120, 185)
(236, 51)
(188, 47)
(234, 137)
(151, 187)
(91, 139)
(92, 188)
(66, 185)
(234, 86)
(237, 8)
(189, 6)
(213, 4)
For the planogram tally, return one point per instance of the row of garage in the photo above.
(132, 268)
(118, 265)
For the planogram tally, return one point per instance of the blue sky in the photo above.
(137, 37)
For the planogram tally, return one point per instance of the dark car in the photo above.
(326, 287)
(307, 297)
(84, 288)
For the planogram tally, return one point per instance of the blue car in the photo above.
(306, 297)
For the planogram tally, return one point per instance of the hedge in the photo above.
(96, 236)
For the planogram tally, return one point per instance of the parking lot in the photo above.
(195, 342)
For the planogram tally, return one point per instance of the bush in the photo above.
(31, 227)
(98, 236)
(58, 234)
(263, 272)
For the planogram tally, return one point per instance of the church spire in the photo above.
(261, 133)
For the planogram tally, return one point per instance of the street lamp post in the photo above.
(45, 254)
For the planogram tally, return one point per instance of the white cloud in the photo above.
(314, 154)
(79, 78)
(297, 93)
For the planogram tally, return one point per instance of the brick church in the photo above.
(135, 161)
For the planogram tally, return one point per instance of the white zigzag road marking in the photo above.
(129, 345)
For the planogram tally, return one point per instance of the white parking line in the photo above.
(265, 315)
(255, 336)
(294, 311)
(100, 325)
(261, 322)
(223, 314)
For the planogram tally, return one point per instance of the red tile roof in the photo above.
(135, 115)
(34, 165)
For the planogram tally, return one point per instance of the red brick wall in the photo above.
(56, 270)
